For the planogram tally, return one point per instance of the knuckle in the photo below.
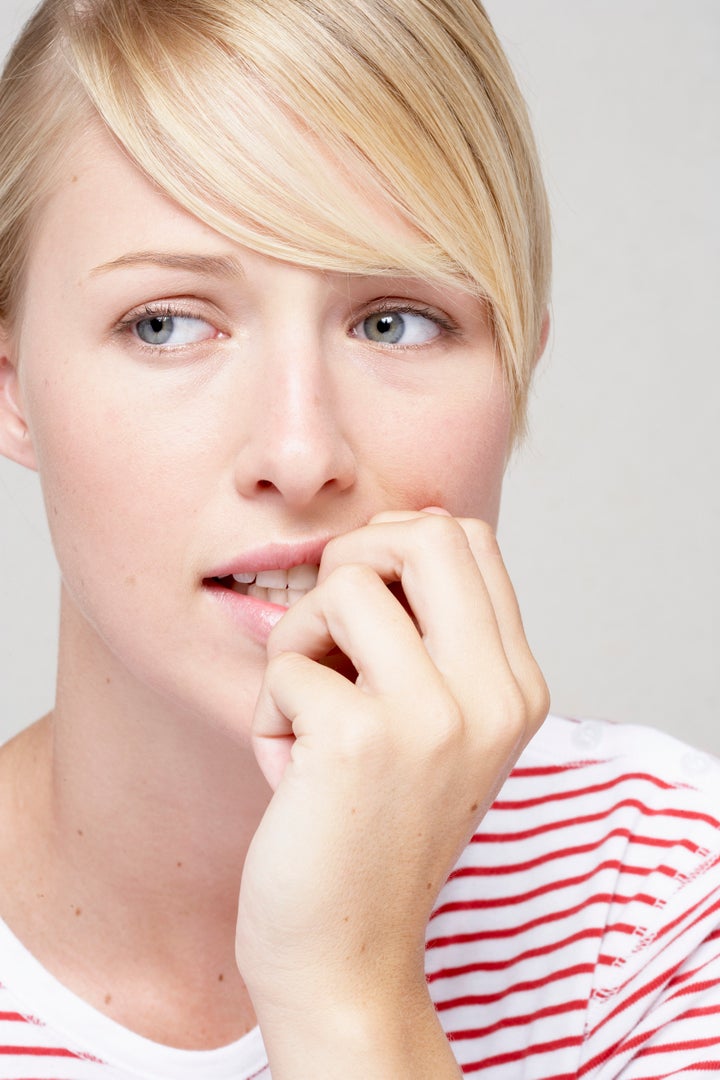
(539, 701)
(510, 718)
(351, 577)
(361, 736)
(483, 537)
(332, 554)
(282, 665)
(439, 531)
(445, 724)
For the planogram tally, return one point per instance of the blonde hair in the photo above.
(233, 107)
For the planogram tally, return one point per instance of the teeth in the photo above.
(302, 577)
(283, 597)
(283, 587)
(272, 579)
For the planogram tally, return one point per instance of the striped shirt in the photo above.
(578, 936)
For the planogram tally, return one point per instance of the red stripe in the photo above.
(528, 954)
(687, 1044)
(683, 977)
(40, 1051)
(515, 988)
(481, 837)
(553, 770)
(541, 920)
(643, 991)
(696, 1066)
(516, 1021)
(611, 864)
(694, 988)
(640, 993)
(671, 1047)
(579, 849)
(520, 1055)
(14, 1016)
(572, 793)
(683, 916)
(553, 886)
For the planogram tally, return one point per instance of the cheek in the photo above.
(116, 487)
(453, 454)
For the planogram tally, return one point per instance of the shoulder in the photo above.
(608, 810)
(633, 809)
(607, 779)
(591, 885)
(587, 744)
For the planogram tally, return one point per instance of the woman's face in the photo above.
(199, 410)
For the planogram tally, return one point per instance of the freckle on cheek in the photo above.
(130, 580)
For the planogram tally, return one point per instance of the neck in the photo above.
(136, 820)
(173, 795)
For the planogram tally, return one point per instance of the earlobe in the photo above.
(15, 441)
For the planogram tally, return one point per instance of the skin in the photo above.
(281, 423)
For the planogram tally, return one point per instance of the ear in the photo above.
(15, 441)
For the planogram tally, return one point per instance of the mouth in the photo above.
(280, 586)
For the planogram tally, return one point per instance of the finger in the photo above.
(486, 551)
(292, 683)
(353, 610)
(430, 555)
(470, 626)
(387, 516)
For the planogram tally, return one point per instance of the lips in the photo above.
(256, 588)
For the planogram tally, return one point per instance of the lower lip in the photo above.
(254, 617)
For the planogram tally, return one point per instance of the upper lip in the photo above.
(274, 557)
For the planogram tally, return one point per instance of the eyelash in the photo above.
(400, 307)
(163, 310)
(166, 310)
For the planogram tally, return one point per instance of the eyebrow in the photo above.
(209, 265)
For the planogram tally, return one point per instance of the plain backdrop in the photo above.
(611, 517)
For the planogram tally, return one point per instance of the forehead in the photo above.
(102, 206)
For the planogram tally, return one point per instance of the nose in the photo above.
(294, 444)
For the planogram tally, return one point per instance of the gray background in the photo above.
(611, 522)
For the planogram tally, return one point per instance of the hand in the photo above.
(379, 782)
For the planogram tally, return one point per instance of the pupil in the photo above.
(155, 329)
(388, 327)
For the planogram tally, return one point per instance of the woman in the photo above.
(273, 281)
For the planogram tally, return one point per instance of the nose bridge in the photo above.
(296, 445)
(296, 381)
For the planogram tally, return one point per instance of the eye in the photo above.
(171, 329)
(399, 327)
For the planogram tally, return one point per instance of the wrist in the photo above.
(388, 1037)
